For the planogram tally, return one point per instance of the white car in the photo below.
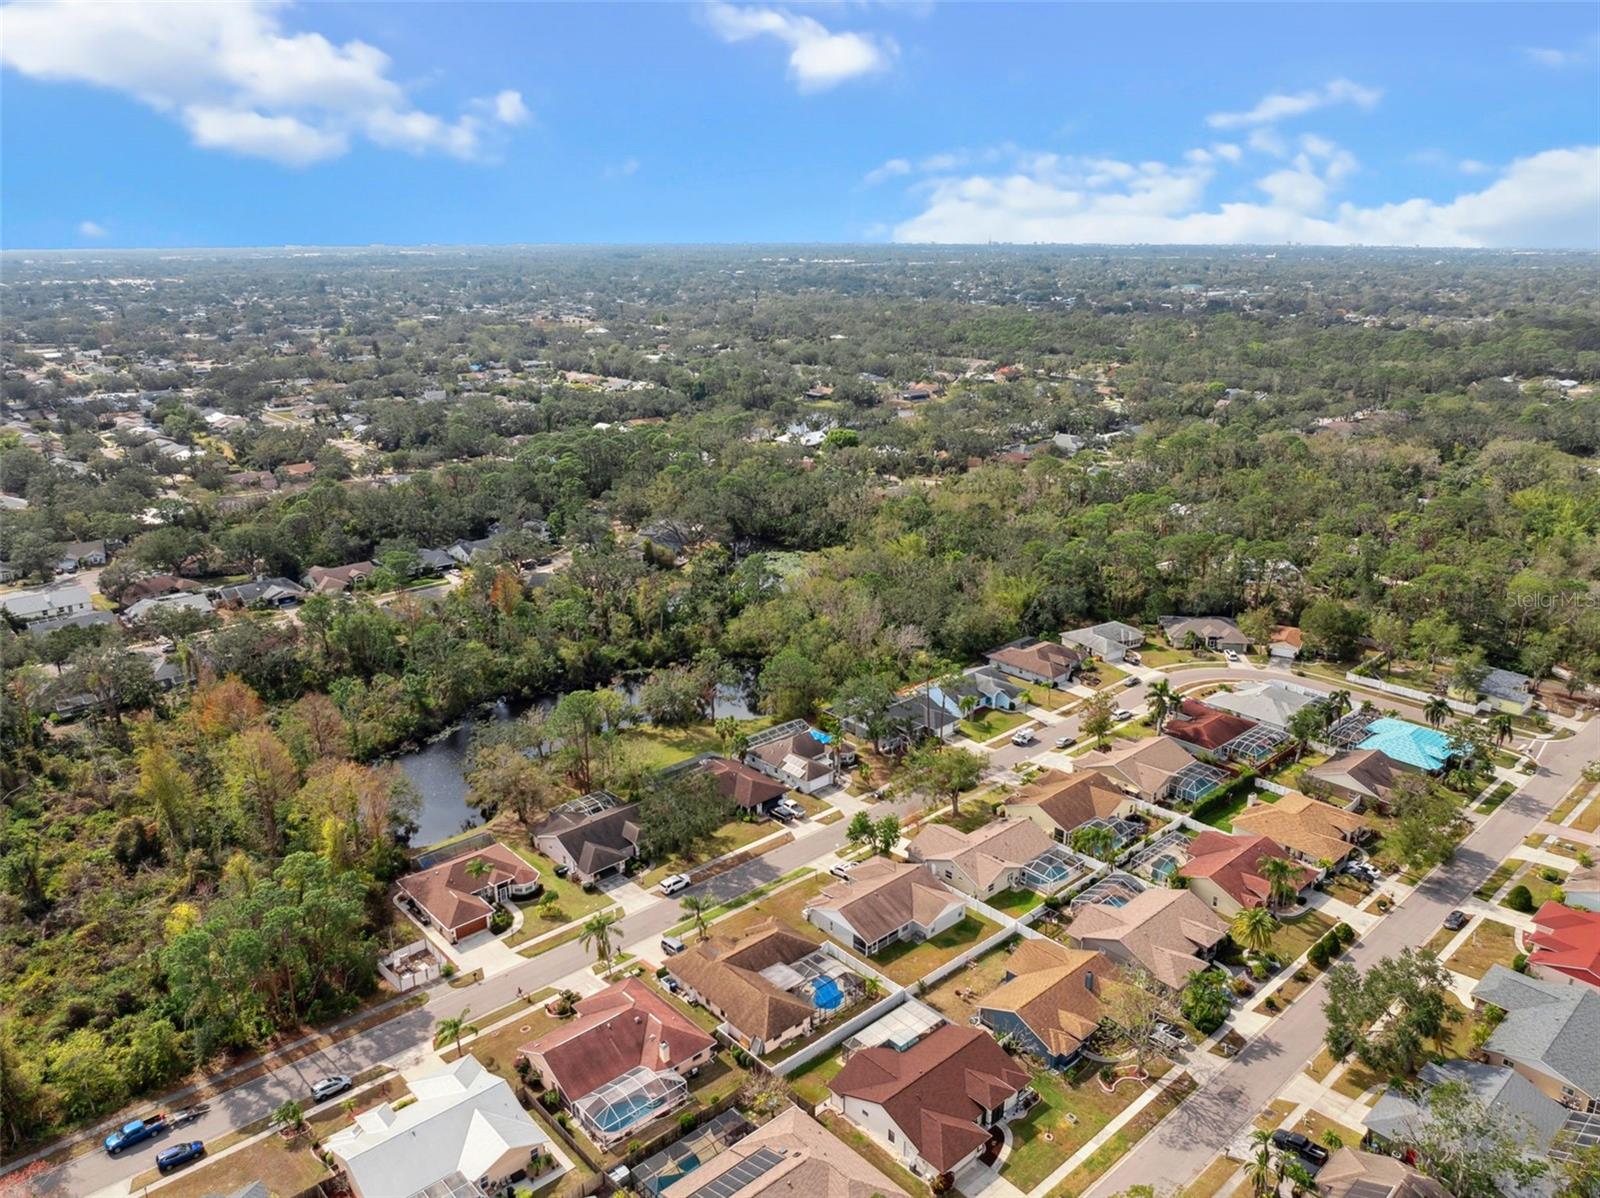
(1022, 737)
(1121, 714)
(1230, 654)
(788, 809)
(325, 1089)
(842, 870)
(673, 883)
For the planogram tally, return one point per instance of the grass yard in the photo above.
(1347, 889)
(655, 748)
(811, 1082)
(290, 1167)
(1316, 1126)
(990, 724)
(1293, 937)
(1016, 903)
(1589, 818)
(957, 997)
(1221, 817)
(874, 1156)
(787, 905)
(1107, 674)
(567, 937)
(905, 963)
(730, 838)
(1495, 797)
(1213, 1180)
(1071, 1113)
(497, 1050)
(1039, 695)
(1537, 886)
(1290, 774)
(1082, 1179)
(1501, 875)
(1489, 943)
(786, 911)
(1159, 656)
(572, 901)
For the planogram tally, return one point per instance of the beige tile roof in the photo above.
(1146, 765)
(1351, 1173)
(1071, 799)
(727, 972)
(1161, 929)
(1314, 829)
(816, 1164)
(986, 854)
(882, 897)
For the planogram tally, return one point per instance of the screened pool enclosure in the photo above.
(636, 1097)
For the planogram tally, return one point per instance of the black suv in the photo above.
(1293, 1141)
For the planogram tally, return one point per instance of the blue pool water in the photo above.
(625, 1114)
(1164, 869)
(826, 994)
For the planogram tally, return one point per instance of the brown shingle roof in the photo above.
(1161, 929)
(1055, 990)
(1369, 772)
(985, 854)
(1045, 658)
(1145, 765)
(595, 841)
(747, 787)
(882, 897)
(936, 1090)
(449, 894)
(727, 972)
(1071, 799)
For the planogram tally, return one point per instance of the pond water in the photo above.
(438, 769)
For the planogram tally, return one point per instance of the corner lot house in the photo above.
(791, 1155)
(1171, 933)
(459, 897)
(745, 982)
(593, 837)
(465, 1126)
(1109, 642)
(936, 1105)
(622, 1059)
(795, 754)
(1211, 632)
(1225, 871)
(1507, 690)
(1565, 945)
(1362, 777)
(1286, 644)
(45, 604)
(1049, 1001)
(1550, 1034)
(1397, 1117)
(1034, 660)
(882, 903)
(1204, 730)
(1425, 749)
(1312, 831)
(1061, 803)
(984, 862)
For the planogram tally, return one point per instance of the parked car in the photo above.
(327, 1087)
(788, 809)
(1130, 683)
(673, 883)
(1066, 742)
(1132, 658)
(136, 1131)
(672, 946)
(1121, 714)
(1455, 921)
(1230, 654)
(1302, 1146)
(562, 869)
(842, 870)
(180, 1155)
(1366, 871)
(671, 984)
(1022, 736)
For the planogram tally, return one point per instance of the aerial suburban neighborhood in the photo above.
(743, 600)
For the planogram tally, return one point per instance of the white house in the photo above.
(883, 902)
(795, 754)
(47, 604)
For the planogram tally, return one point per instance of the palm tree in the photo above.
(598, 933)
(291, 1116)
(1254, 928)
(1338, 703)
(1502, 726)
(1259, 1170)
(453, 1027)
(697, 907)
(1162, 700)
(479, 868)
(1095, 840)
(1283, 879)
(1436, 712)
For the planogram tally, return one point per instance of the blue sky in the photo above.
(265, 124)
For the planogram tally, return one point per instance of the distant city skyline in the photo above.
(264, 124)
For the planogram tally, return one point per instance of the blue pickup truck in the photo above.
(135, 1132)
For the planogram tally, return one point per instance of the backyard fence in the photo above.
(421, 966)
(1409, 692)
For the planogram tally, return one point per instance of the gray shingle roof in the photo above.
(1551, 1026)
(1537, 1117)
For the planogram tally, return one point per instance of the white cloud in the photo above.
(889, 170)
(1280, 106)
(1472, 166)
(622, 170)
(237, 80)
(1227, 150)
(1548, 199)
(92, 228)
(818, 57)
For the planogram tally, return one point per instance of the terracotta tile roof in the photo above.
(816, 1164)
(1055, 990)
(623, 1027)
(882, 897)
(1145, 765)
(747, 787)
(936, 1090)
(1304, 825)
(727, 972)
(1234, 864)
(985, 854)
(1567, 941)
(1163, 930)
(449, 894)
(1205, 726)
(1071, 799)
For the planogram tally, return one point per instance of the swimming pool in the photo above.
(826, 994)
(1163, 868)
(624, 1113)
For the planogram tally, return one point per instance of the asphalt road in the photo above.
(1188, 1139)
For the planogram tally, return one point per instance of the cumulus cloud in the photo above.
(1547, 199)
(237, 80)
(889, 170)
(92, 228)
(1282, 106)
(818, 57)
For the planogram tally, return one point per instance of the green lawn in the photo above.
(906, 963)
(1158, 656)
(1016, 903)
(572, 901)
(730, 838)
(655, 748)
(1290, 774)
(1537, 886)
(1106, 674)
(990, 724)
(1071, 1111)
(811, 1082)
(1489, 943)
(1221, 817)
(1293, 937)
(1494, 881)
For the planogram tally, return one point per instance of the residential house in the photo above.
(1110, 642)
(262, 592)
(1425, 749)
(629, 1040)
(330, 580)
(9, 572)
(459, 896)
(141, 611)
(435, 561)
(733, 978)
(981, 689)
(745, 786)
(1352, 1173)
(911, 718)
(1286, 644)
(463, 552)
(1205, 731)
(883, 902)
(252, 480)
(1225, 871)
(1274, 704)
(1210, 632)
(1312, 831)
(1582, 888)
(1550, 1033)
(466, 1126)
(1362, 778)
(1060, 803)
(297, 472)
(156, 584)
(1050, 1001)
(1564, 945)
(1147, 768)
(789, 1155)
(1034, 660)
(593, 837)
(1507, 690)
(47, 603)
(1170, 933)
(937, 1104)
(83, 619)
(984, 862)
(81, 555)
(796, 754)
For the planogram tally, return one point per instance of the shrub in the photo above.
(1319, 954)
(686, 1121)
(448, 969)
(499, 921)
(1520, 899)
(550, 1100)
(1549, 873)
(1345, 932)
(1520, 963)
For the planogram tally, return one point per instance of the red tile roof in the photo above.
(1234, 864)
(1205, 726)
(1567, 942)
